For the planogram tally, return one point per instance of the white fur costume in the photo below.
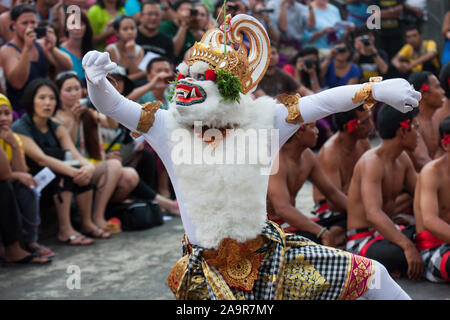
(219, 201)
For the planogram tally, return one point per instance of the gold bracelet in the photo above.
(365, 94)
(147, 117)
(290, 101)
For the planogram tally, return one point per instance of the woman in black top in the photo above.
(45, 144)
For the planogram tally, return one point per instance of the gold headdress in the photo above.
(248, 66)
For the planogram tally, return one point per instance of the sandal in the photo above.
(73, 237)
(98, 233)
(41, 248)
(32, 258)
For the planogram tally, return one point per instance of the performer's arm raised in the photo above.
(109, 101)
(397, 93)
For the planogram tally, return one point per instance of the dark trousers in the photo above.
(10, 226)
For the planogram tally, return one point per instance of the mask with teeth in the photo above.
(214, 83)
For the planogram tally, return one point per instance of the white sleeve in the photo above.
(110, 102)
(315, 107)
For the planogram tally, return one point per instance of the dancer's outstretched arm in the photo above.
(109, 101)
(397, 93)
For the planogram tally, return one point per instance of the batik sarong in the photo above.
(275, 265)
(436, 256)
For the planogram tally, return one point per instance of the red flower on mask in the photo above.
(406, 124)
(352, 125)
(210, 75)
(446, 140)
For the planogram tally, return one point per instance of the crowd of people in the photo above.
(387, 202)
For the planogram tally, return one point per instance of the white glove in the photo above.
(96, 66)
(397, 93)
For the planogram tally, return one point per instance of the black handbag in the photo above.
(139, 215)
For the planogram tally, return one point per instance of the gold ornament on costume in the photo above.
(147, 117)
(290, 101)
(250, 66)
(365, 94)
(237, 262)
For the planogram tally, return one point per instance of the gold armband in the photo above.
(290, 101)
(365, 94)
(147, 117)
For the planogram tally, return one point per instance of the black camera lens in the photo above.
(194, 12)
(365, 40)
(233, 7)
(341, 49)
(309, 63)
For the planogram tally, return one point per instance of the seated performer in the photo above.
(432, 100)
(337, 158)
(378, 178)
(296, 163)
(432, 212)
(231, 250)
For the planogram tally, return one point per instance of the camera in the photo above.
(233, 7)
(365, 40)
(309, 63)
(194, 12)
(266, 10)
(84, 102)
(40, 32)
(341, 49)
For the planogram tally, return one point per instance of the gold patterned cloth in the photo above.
(291, 268)
(147, 117)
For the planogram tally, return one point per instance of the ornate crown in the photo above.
(248, 65)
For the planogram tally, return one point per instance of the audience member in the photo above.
(79, 42)
(325, 33)
(102, 15)
(417, 54)
(431, 203)
(414, 12)
(125, 52)
(372, 62)
(276, 81)
(338, 157)
(6, 32)
(10, 227)
(444, 79)
(260, 11)
(446, 34)
(21, 181)
(337, 69)
(180, 29)
(296, 164)
(148, 36)
(357, 11)
(305, 68)
(159, 73)
(44, 9)
(203, 21)
(45, 143)
(25, 58)
(291, 19)
(378, 178)
(114, 182)
(390, 36)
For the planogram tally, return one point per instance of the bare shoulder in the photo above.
(329, 152)
(432, 170)
(370, 163)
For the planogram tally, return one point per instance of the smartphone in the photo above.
(84, 102)
(40, 32)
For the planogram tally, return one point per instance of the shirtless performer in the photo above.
(432, 212)
(432, 100)
(378, 179)
(296, 164)
(338, 157)
(444, 79)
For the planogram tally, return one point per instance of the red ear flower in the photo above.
(180, 76)
(446, 139)
(302, 128)
(210, 75)
(406, 124)
(424, 87)
(352, 125)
